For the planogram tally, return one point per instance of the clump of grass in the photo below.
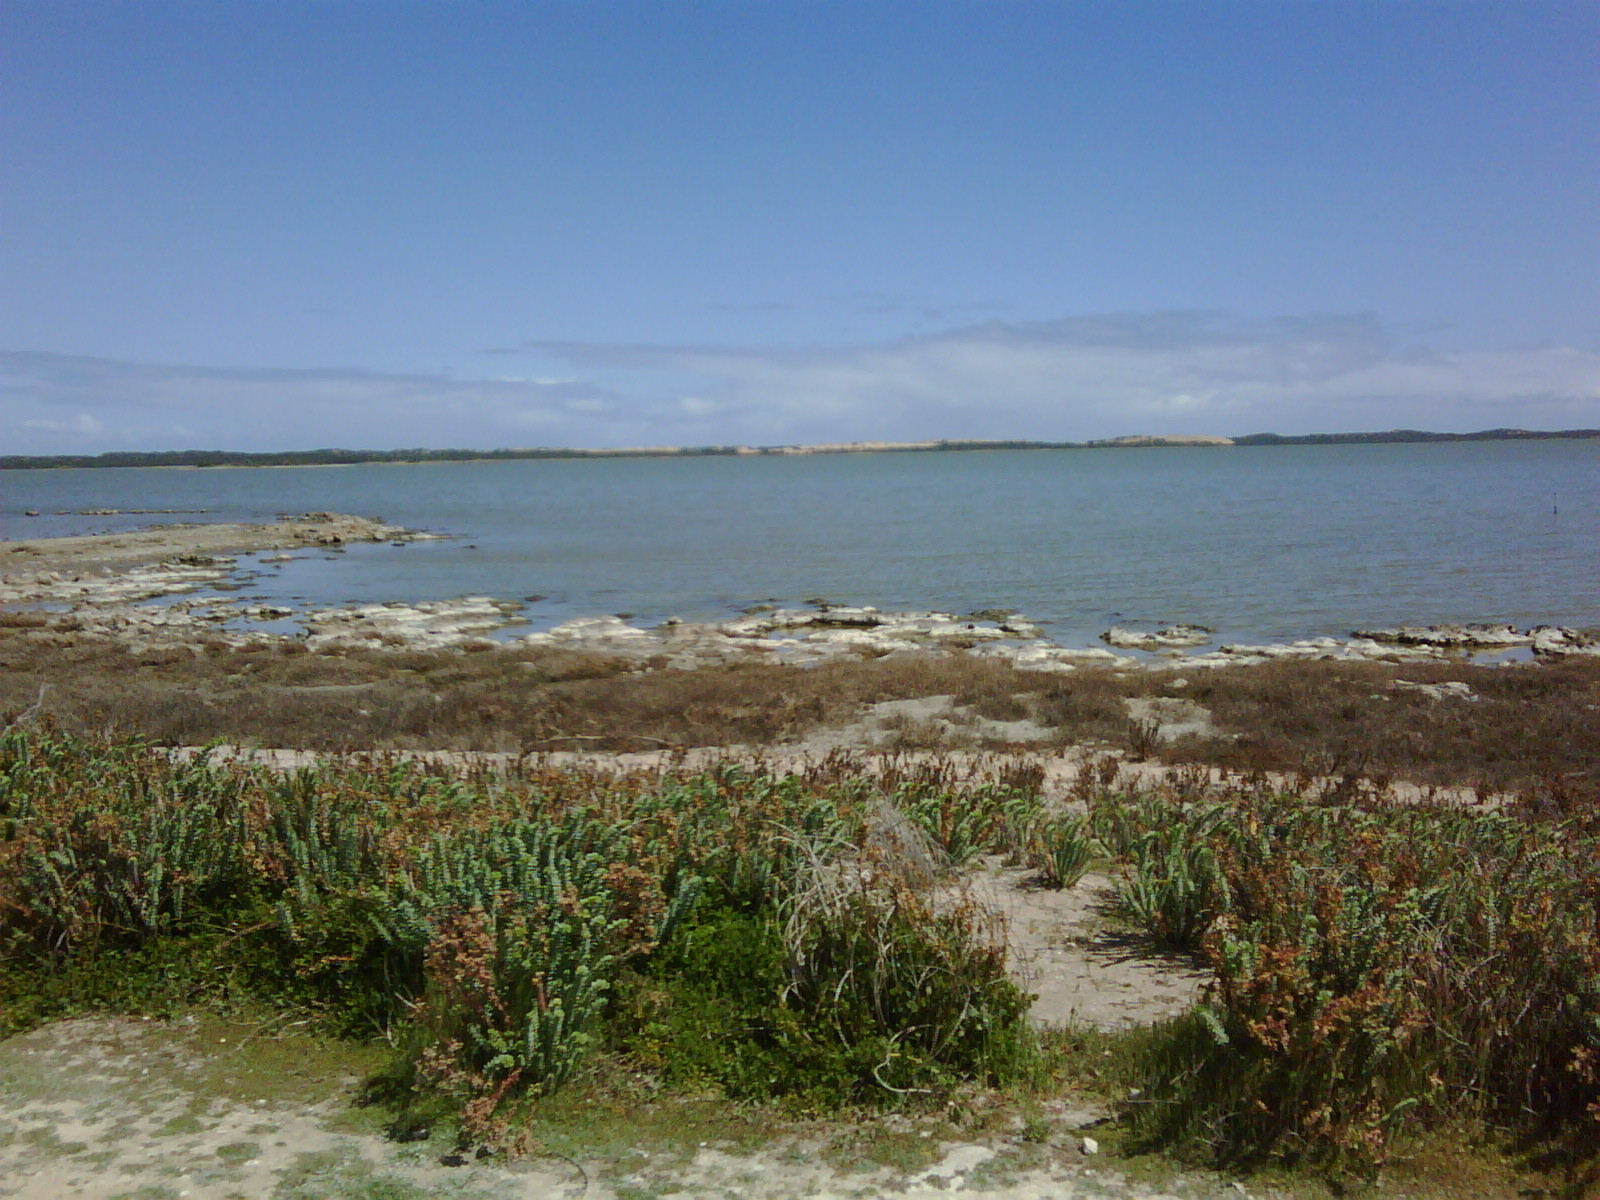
(970, 822)
(1144, 739)
(1171, 883)
(914, 994)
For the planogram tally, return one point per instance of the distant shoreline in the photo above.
(336, 457)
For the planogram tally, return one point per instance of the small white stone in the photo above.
(1090, 1146)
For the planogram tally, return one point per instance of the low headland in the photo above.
(818, 901)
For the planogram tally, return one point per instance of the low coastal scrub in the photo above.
(1529, 724)
(804, 939)
(504, 927)
(1379, 966)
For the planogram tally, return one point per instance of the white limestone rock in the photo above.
(1451, 690)
(1169, 636)
(1557, 641)
(435, 624)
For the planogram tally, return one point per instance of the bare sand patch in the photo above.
(1080, 971)
(96, 1109)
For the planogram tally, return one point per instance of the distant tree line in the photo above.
(332, 457)
(315, 458)
(1407, 435)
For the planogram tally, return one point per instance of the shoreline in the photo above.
(179, 651)
(171, 584)
(209, 459)
(100, 552)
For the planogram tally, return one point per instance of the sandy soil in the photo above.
(98, 1109)
(1079, 971)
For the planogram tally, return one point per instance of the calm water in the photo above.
(1256, 542)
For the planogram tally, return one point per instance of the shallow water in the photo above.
(1255, 542)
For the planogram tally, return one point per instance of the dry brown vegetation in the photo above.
(1533, 726)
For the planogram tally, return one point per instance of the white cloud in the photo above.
(145, 406)
(1099, 376)
(82, 425)
(1071, 379)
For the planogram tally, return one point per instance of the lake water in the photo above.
(1255, 542)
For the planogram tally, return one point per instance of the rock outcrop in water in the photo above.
(1556, 641)
(1452, 637)
(1161, 639)
(121, 587)
(99, 553)
(1551, 640)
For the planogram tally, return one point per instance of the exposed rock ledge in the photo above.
(103, 581)
(108, 607)
(803, 636)
(1542, 639)
(97, 553)
(1171, 635)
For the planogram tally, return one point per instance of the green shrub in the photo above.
(710, 1011)
(915, 993)
(1061, 850)
(148, 856)
(1377, 964)
(966, 823)
(876, 1000)
(1170, 882)
(485, 920)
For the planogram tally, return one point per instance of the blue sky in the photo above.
(283, 225)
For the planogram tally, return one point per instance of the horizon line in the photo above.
(872, 446)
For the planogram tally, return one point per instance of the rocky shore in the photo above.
(814, 635)
(36, 560)
(123, 587)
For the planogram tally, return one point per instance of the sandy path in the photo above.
(1078, 972)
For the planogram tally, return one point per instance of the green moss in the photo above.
(237, 1153)
(332, 1175)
